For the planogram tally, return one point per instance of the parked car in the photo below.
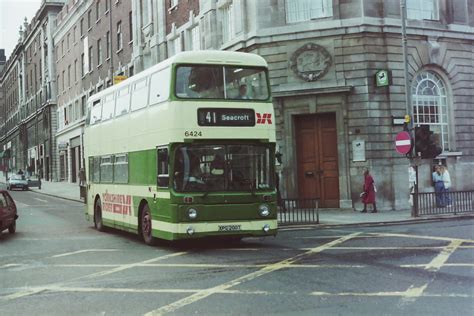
(17, 181)
(34, 181)
(8, 213)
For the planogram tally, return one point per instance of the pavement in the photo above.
(327, 217)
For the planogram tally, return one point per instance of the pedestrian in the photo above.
(447, 186)
(368, 195)
(438, 186)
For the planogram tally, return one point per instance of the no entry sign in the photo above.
(403, 143)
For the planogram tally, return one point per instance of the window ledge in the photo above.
(446, 154)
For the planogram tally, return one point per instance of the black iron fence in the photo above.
(298, 211)
(455, 202)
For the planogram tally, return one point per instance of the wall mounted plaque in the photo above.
(311, 62)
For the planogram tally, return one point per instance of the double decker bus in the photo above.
(184, 149)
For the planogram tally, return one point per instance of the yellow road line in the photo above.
(443, 256)
(265, 270)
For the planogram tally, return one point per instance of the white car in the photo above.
(17, 181)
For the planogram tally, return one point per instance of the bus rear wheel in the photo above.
(98, 216)
(145, 225)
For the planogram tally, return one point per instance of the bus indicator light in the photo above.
(188, 199)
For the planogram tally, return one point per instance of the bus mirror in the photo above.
(163, 180)
(278, 157)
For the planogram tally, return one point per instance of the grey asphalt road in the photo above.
(57, 264)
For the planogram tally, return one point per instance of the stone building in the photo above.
(93, 45)
(334, 116)
(10, 106)
(3, 59)
(333, 120)
(29, 102)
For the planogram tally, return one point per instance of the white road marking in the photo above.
(421, 237)
(41, 200)
(265, 270)
(82, 251)
(446, 265)
(410, 295)
(197, 265)
(27, 291)
(404, 294)
(132, 265)
(21, 204)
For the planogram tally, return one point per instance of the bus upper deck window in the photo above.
(96, 112)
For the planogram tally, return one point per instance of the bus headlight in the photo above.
(192, 213)
(264, 210)
(266, 228)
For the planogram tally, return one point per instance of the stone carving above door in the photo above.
(310, 62)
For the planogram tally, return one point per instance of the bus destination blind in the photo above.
(226, 117)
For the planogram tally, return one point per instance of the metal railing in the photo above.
(453, 202)
(298, 211)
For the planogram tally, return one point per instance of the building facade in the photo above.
(337, 72)
(333, 118)
(93, 44)
(29, 103)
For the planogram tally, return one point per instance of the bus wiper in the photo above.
(252, 188)
(206, 190)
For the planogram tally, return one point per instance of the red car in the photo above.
(8, 213)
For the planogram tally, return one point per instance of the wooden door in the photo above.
(318, 175)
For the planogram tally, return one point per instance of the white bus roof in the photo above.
(219, 57)
(192, 57)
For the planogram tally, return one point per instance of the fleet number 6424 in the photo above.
(193, 134)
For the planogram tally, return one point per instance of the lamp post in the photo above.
(409, 124)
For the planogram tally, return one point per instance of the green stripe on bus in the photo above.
(142, 167)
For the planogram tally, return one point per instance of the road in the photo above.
(57, 264)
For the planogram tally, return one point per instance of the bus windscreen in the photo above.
(206, 168)
(221, 82)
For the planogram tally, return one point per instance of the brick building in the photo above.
(93, 43)
(332, 119)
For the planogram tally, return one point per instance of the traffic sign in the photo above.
(382, 78)
(403, 143)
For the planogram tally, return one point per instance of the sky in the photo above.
(12, 15)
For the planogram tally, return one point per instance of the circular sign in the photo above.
(403, 142)
(310, 62)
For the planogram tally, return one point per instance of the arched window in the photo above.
(430, 106)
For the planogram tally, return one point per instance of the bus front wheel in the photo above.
(98, 216)
(145, 225)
